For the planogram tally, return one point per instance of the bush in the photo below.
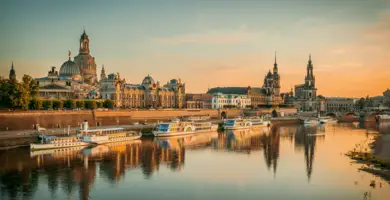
(80, 104)
(70, 104)
(47, 104)
(108, 103)
(58, 104)
(99, 104)
(35, 104)
(90, 105)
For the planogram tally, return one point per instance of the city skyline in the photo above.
(211, 41)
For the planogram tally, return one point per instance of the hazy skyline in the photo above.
(207, 43)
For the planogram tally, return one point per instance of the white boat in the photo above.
(54, 142)
(316, 134)
(245, 123)
(85, 137)
(311, 121)
(327, 120)
(174, 128)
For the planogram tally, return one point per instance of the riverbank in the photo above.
(22, 120)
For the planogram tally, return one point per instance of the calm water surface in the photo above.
(284, 163)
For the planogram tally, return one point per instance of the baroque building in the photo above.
(306, 94)
(75, 79)
(148, 94)
(267, 95)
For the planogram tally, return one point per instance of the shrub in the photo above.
(108, 103)
(35, 104)
(90, 104)
(47, 104)
(58, 104)
(80, 104)
(70, 104)
(99, 104)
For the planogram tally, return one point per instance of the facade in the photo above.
(198, 101)
(75, 79)
(306, 94)
(338, 104)
(268, 95)
(148, 94)
(220, 100)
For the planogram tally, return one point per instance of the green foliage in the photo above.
(70, 104)
(90, 105)
(80, 104)
(14, 94)
(274, 113)
(5, 88)
(99, 104)
(35, 104)
(47, 104)
(108, 103)
(58, 104)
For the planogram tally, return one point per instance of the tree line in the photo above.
(24, 95)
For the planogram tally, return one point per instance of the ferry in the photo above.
(85, 137)
(54, 142)
(327, 120)
(311, 121)
(174, 128)
(196, 118)
(204, 126)
(108, 135)
(245, 123)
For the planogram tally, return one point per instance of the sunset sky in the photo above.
(207, 43)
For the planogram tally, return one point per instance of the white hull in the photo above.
(34, 147)
(165, 134)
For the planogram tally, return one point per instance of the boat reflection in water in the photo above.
(130, 166)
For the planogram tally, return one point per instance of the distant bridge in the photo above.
(367, 116)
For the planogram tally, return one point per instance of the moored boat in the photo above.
(54, 142)
(245, 123)
(174, 128)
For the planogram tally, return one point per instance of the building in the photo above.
(220, 100)
(306, 94)
(199, 101)
(339, 104)
(148, 94)
(85, 62)
(268, 95)
(75, 79)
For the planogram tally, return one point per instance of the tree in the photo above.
(80, 104)
(108, 103)
(70, 104)
(90, 104)
(5, 88)
(274, 113)
(30, 85)
(35, 104)
(47, 104)
(361, 103)
(99, 104)
(58, 104)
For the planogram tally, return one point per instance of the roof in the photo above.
(228, 90)
(236, 90)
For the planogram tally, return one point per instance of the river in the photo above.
(288, 162)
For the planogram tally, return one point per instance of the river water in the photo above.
(287, 162)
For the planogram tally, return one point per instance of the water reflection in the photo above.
(71, 173)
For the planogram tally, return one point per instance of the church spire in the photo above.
(275, 65)
(12, 74)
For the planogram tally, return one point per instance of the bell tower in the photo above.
(84, 44)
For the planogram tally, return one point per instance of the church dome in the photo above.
(148, 80)
(69, 68)
(269, 75)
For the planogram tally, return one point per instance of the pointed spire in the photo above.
(275, 57)
(12, 65)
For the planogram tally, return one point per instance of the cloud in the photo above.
(212, 37)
